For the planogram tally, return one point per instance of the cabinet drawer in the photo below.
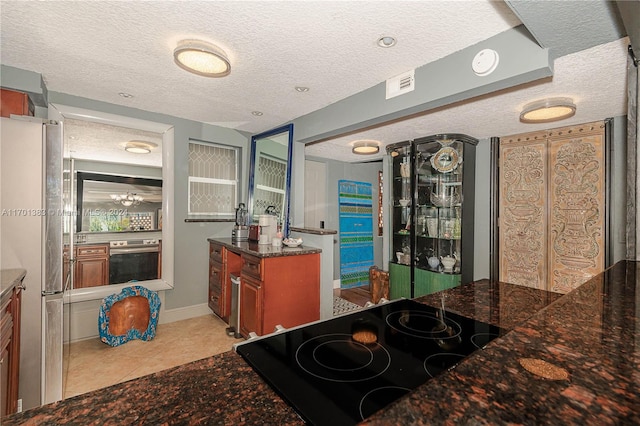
(215, 252)
(252, 266)
(215, 273)
(99, 250)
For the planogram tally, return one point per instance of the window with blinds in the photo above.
(213, 180)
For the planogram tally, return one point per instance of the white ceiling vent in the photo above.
(401, 84)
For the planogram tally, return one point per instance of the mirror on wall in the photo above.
(111, 203)
(270, 174)
(100, 163)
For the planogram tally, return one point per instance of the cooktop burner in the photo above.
(342, 370)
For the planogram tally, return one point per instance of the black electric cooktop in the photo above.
(341, 371)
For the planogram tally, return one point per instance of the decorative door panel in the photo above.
(577, 203)
(552, 207)
(356, 232)
(523, 212)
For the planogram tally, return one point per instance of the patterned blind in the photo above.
(213, 179)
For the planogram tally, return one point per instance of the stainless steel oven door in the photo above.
(133, 264)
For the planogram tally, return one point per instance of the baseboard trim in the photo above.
(179, 314)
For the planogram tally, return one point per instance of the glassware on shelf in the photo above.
(432, 227)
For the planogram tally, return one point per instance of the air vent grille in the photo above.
(400, 84)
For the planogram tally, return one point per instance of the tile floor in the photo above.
(94, 365)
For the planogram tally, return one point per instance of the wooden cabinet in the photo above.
(282, 288)
(553, 207)
(12, 102)
(216, 274)
(92, 266)
(215, 289)
(250, 306)
(10, 306)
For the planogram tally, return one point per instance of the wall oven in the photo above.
(134, 260)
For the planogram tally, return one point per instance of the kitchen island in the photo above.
(587, 338)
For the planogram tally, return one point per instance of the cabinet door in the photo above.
(215, 288)
(6, 334)
(4, 380)
(552, 207)
(12, 102)
(92, 272)
(251, 296)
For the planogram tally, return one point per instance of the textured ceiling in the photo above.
(594, 78)
(97, 49)
(86, 140)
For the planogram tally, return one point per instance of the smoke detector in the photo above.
(485, 62)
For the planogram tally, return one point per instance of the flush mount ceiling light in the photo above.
(547, 110)
(366, 147)
(386, 41)
(139, 147)
(302, 89)
(201, 58)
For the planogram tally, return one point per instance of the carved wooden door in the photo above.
(552, 207)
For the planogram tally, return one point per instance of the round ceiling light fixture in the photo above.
(201, 58)
(366, 147)
(547, 110)
(386, 41)
(139, 147)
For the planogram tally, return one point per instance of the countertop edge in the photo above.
(11, 278)
(268, 250)
(314, 231)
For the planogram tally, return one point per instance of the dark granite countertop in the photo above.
(264, 250)
(591, 333)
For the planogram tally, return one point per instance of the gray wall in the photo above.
(361, 172)
(191, 255)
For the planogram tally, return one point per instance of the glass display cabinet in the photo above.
(431, 202)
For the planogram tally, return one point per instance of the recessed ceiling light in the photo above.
(366, 147)
(201, 58)
(547, 110)
(125, 95)
(139, 147)
(386, 41)
(302, 89)
(256, 113)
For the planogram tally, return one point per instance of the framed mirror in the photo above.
(109, 203)
(93, 144)
(270, 175)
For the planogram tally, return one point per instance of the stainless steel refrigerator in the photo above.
(32, 238)
(56, 281)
